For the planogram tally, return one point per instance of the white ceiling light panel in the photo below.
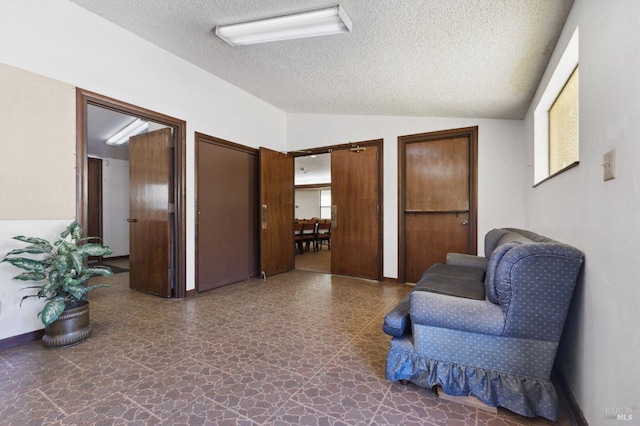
(329, 21)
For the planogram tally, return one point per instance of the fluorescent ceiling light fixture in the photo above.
(333, 20)
(135, 127)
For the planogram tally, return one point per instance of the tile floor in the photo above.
(314, 261)
(298, 348)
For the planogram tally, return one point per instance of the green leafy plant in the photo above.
(60, 268)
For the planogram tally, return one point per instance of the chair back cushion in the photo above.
(534, 283)
(491, 241)
(494, 261)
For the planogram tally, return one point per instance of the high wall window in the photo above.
(556, 118)
(563, 127)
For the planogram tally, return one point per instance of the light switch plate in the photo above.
(610, 165)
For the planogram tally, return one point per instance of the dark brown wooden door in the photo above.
(94, 198)
(356, 203)
(150, 233)
(438, 181)
(227, 213)
(276, 212)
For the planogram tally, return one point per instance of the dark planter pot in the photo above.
(71, 327)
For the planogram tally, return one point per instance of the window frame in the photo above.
(565, 68)
(322, 206)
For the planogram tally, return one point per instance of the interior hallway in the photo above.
(298, 348)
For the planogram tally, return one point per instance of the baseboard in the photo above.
(126, 256)
(567, 394)
(191, 293)
(22, 339)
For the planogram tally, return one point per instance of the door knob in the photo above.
(132, 220)
(465, 222)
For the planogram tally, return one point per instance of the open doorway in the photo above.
(108, 189)
(103, 108)
(312, 204)
(355, 208)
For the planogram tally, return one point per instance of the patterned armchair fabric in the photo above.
(499, 349)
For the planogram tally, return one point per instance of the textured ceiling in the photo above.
(447, 58)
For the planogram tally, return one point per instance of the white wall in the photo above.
(500, 155)
(601, 344)
(307, 203)
(61, 41)
(15, 319)
(115, 205)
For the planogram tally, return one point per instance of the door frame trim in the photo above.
(403, 141)
(85, 98)
(201, 137)
(372, 142)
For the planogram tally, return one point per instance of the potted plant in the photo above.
(62, 277)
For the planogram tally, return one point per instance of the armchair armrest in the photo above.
(437, 310)
(397, 322)
(467, 260)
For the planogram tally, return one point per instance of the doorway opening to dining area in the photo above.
(312, 231)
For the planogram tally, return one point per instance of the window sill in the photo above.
(570, 166)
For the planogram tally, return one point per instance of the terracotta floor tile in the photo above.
(258, 390)
(389, 416)
(293, 413)
(343, 393)
(32, 374)
(204, 411)
(115, 410)
(28, 408)
(171, 390)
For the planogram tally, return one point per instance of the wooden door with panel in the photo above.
(438, 199)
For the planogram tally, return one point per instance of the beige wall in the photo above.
(37, 146)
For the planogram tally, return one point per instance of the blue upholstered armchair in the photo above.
(497, 342)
